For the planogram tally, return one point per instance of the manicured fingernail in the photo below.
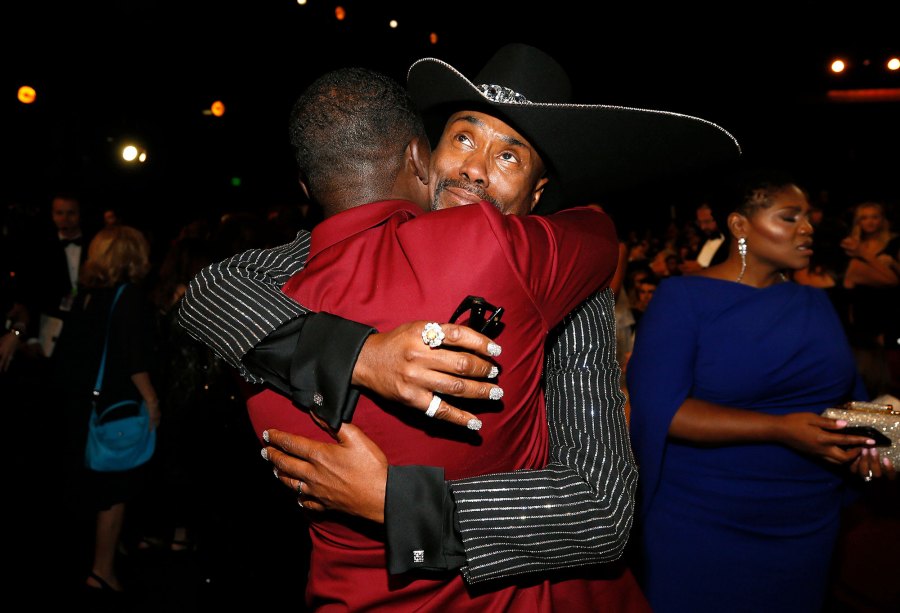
(870, 441)
(474, 424)
(496, 393)
(266, 435)
(886, 462)
(264, 453)
(494, 372)
(841, 423)
(494, 349)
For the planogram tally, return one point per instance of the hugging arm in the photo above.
(237, 309)
(577, 510)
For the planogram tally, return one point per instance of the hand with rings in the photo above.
(871, 466)
(421, 364)
(349, 476)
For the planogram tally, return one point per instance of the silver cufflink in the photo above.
(418, 556)
(318, 399)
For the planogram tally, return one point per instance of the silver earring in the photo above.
(742, 251)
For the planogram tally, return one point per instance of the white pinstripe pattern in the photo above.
(232, 305)
(579, 509)
(576, 511)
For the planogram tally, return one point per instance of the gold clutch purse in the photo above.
(880, 418)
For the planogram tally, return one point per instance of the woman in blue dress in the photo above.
(742, 480)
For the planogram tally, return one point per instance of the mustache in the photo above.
(473, 188)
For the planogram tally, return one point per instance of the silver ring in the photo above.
(433, 405)
(299, 485)
(868, 477)
(432, 335)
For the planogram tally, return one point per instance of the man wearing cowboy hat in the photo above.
(476, 160)
(376, 256)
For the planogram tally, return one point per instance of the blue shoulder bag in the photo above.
(119, 437)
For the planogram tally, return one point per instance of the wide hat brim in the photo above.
(590, 150)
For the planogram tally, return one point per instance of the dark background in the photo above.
(147, 70)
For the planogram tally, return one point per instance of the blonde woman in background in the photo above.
(117, 255)
(871, 282)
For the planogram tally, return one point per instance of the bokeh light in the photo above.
(27, 94)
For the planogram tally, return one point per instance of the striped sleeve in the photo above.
(578, 510)
(232, 305)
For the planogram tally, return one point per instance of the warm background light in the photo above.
(217, 108)
(838, 66)
(134, 153)
(433, 38)
(27, 94)
(893, 63)
(393, 24)
(340, 13)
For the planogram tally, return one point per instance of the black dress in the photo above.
(75, 364)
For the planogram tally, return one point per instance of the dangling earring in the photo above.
(742, 251)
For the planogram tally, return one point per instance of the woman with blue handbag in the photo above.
(103, 359)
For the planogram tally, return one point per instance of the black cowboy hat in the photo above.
(588, 149)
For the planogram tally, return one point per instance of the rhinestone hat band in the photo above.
(498, 93)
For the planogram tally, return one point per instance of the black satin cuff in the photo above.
(419, 516)
(271, 358)
(322, 366)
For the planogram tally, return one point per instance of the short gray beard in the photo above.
(472, 188)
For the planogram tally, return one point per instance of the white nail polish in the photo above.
(493, 349)
(496, 393)
(264, 453)
(494, 372)
(474, 424)
(266, 435)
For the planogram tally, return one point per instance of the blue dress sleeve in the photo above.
(660, 375)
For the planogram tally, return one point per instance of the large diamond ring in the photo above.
(432, 335)
(433, 405)
(868, 477)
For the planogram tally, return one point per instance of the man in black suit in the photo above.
(714, 249)
(55, 279)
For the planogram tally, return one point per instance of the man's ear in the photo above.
(538, 191)
(419, 155)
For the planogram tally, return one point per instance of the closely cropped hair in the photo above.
(756, 190)
(116, 254)
(347, 120)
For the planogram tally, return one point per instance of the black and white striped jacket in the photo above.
(576, 511)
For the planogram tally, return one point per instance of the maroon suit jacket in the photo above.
(385, 263)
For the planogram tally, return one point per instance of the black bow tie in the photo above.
(65, 242)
